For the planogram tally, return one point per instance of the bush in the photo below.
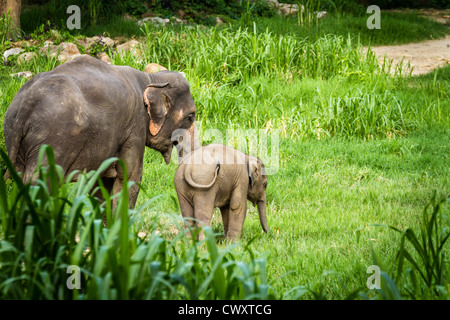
(423, 267)
(391, 4)
(50, 228)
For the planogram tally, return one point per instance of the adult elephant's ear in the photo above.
(157, 104)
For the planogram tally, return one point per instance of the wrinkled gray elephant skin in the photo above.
(220, 176)
(89, 111)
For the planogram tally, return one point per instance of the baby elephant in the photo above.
(223, 177)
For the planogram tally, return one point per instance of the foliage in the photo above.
(390, 4)
(360, 144)
(92, 12)
(428, 258)
(48, 226)
(5, 26)
(426, 254)
(135, 7)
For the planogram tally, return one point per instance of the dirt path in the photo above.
(423, 56)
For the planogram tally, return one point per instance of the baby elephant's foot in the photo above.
(233, 236)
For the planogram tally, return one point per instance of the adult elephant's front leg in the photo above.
(133, 162)
(108, 184)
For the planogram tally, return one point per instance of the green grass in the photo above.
(396, 28)
(324, 199)
(50, 227)
(358, 148)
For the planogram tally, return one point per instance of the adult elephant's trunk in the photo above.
(167, 154)
(262, 204)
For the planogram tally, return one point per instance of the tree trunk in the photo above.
(13, 7)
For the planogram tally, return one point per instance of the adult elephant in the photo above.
(89, 111)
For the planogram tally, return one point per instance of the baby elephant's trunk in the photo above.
(261, 204)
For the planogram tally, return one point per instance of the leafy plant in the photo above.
(135, 7)
(307, 12)
(50, 227)
(5, 28)
(428, 257)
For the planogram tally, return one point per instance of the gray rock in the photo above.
(12, 52)
(133, 46)
(321, 14)
(26, 74)
(107, 41)
(26, 57)
(104, 57)
(154, 20)
(153, 67)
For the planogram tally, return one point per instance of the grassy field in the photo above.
(359, 149)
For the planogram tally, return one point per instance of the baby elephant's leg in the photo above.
(187, 211)
(225, 212)
(203, 211)
(237, 212)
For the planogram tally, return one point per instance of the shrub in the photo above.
(48, 226)
(423, 267)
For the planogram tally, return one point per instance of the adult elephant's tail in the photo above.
(13, 150)
(192, 183)
(14, 128)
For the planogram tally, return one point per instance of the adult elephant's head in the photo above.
(170, 107)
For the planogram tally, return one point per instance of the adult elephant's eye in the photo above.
(191, 117)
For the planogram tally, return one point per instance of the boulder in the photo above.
(273, 3)
(321, 14)
(219, 21)
(69, 47)
(11, 52)
(103, 41)
(48, 43)
(179, 21)
(132, 46)
(153, 67)
(154, 20)
(64, 56)
(26, 57)
(288, 9)
(181, 14)
(48, 49)
(103, 57)
(107, 41)
(25, 74)
(128, 17)
(84, 42)
(67, 51)
(64, 51)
